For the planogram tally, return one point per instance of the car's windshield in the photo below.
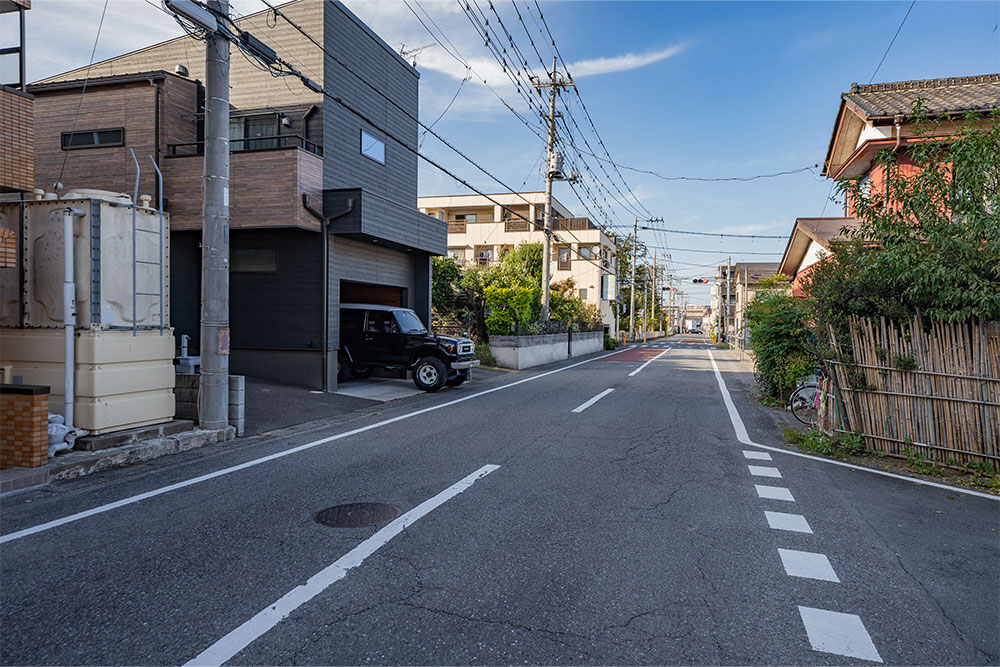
(409, 322)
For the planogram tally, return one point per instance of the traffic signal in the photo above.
(669, 289)
(700, 280)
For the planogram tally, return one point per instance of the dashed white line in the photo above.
(764, 471)
(636, 371)
(773, 493)
(270, 616)
(595, 399)
(760, 456)
(793, 522)
(807, 565)
(837, 633)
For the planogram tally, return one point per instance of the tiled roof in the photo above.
(952, 95)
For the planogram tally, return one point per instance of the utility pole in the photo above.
(552, 172)
(729, 278)
(213, 396)
(645, 313)
(631, 309)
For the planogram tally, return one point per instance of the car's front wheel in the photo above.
(429, 374)
(361, 371)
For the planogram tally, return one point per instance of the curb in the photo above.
(80, 463)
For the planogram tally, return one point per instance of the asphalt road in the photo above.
(542, 526)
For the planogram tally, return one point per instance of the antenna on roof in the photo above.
(412, 53)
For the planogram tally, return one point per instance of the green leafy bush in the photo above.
(484, 355)
(779, 337)
(609, 342)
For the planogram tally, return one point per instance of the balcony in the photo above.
(276, 142)
(266, 187)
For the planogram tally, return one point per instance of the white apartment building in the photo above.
(479, 230)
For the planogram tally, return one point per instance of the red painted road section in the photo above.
(635, 354)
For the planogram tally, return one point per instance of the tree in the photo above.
(929, 240)
(779, 337)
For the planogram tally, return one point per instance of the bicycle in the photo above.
(804, 401)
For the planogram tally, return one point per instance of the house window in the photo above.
(8, 249)
(372, 147)
(583, 293)
(254, 260)
(484, 254)
(564, 259)
(458, 254)
(93, 139)
(253, 133)
(585, 252)
(466, 217)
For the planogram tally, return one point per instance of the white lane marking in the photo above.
(270, 616)
(807, 565)
(595, 399)
(264, 459)
(783, 521)
(764, 471)
(636, 371)
(837, 633)
(760, 456)
(744, 438)
(773, 493)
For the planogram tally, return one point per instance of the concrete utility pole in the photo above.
(213, 397)
(552, 172)
(631, 309)
(729, 278)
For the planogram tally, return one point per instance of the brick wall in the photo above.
(17, 136)
(24, 419)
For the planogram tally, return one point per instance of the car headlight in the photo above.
(450, 348)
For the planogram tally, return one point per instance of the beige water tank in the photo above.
(104, 264)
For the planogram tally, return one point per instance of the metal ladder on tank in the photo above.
(135, 260)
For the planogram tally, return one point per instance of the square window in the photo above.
(372, 147)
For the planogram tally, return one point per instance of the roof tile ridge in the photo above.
(922, 83)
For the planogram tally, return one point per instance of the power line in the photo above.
(893, 41)
(713, 251)
(739, 236)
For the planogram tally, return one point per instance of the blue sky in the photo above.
(707, 89)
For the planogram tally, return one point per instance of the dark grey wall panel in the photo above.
(301, 367)
(283, 309)
(185, 287)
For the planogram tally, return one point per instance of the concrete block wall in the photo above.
(527, 351)
(186, 391)
(586, 342)
(24, 425)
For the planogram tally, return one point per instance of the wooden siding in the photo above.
(250, 86)
(266, 189)
(17, 136)
(131, 106)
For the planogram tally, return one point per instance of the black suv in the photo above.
(394, 338)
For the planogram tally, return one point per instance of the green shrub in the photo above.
(778, 324)
(484, 355)
(609, 342)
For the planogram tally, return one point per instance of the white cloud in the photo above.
(623, 63)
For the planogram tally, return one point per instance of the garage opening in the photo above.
(382, 295)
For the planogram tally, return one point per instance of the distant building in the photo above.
(480, 230)
(746, 276)
(323, 204)
(723, 321)
(811, 241)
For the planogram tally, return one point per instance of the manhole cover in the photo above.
(356, 515)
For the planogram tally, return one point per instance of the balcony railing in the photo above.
(251, 144)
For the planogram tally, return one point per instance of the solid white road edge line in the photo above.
(270, 616)
(744, 438)
(249, 464)
(649, 362)
(595, 399)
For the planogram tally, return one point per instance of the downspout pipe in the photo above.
(69, 312)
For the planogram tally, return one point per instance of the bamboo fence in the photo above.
(931, 390)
